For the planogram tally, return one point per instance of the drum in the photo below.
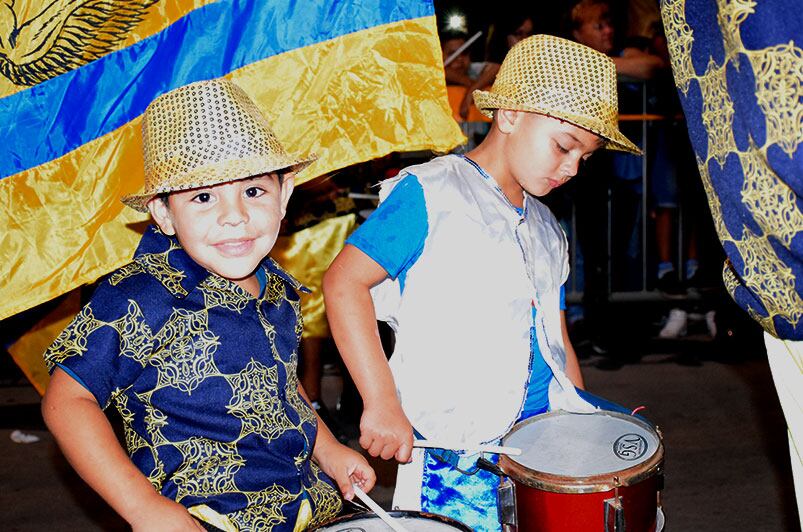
(585, 472)
(412, 521)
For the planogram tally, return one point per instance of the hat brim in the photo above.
(215, 174)
(487, 102)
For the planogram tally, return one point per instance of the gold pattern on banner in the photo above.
(207, 469)
(325, 499)
(770, 200)
(730, 15)
(255, 401)
(713, 202)
(778, 71)
(135, 335)
(717, 112)
(219, 292)
(72, 340)
(183, 350)
(57, 36)
(679, 40)
(264, 509)
(764, 273)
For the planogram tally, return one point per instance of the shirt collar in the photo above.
(162, 257)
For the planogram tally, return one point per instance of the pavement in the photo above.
(726, 459)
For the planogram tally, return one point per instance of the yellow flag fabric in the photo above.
(348, 80)
(307, 254)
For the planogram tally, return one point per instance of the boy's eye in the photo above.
(253, 192)
(561, 148)
(203, 197)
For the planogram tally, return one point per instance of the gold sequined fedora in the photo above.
(203, 134)
(563, 79)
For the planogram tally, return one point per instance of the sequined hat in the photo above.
(203, 134)
(562, 79)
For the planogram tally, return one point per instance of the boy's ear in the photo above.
(506, 119)
(160, 213)
(288, 184)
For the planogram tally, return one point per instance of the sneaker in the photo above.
(675, 325)
(669, 285)
(711, 323)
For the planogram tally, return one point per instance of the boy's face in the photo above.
(542, 152)
(227, 228)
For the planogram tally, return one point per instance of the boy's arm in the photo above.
(637, 64)
(572, 365)
(345, 465)
(385, 430)
(88, 441)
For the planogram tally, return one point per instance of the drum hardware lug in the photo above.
(614, 511)
(486, 465)
(506, 502)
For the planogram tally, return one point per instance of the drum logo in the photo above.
(630, 447)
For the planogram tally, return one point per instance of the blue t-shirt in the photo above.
(394, 236)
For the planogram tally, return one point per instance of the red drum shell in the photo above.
(554, 503)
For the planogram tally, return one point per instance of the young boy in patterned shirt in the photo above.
(195, 341)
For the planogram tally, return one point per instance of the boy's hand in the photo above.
(346, 467)
(386, 432)
(163, 514)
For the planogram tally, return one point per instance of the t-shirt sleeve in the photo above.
(563, 296)
(394, 235)
(106, 346)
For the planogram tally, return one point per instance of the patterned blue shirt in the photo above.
(738, 73)
(204, 377)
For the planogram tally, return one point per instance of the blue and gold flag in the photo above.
(350, 80)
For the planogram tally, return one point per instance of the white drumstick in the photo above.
(495, 449)
(383, 515)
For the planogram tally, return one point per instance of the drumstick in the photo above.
(495, 449)
(383, 515)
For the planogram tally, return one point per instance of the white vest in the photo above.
(462, 358)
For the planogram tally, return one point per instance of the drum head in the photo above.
(583, 445)
(412, 521)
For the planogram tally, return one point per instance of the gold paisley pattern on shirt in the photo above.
(219, 292)
(184, 350)
(763, 273)
(135, 335)
(778, 74)
(72, 340)
(717, 112)
(274, 289)
(730, 15)
(264, 509)
(325, 499)
(129, 270)
(255, 403)
(779, 86)
(679, 40)
(158, 266)
(770, 200)
(208, 468)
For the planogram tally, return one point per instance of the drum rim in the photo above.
(398, 514)
(592, 483)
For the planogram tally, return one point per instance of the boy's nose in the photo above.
(233, 212)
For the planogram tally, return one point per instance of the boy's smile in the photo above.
(227, 228)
